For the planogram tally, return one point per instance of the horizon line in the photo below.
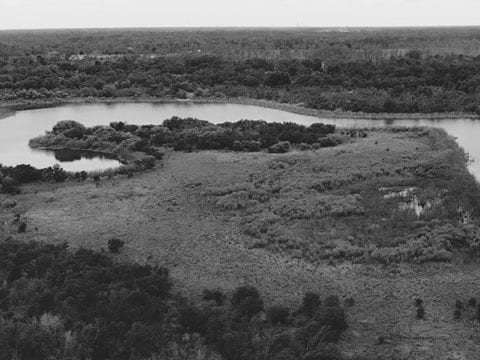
(219, 27)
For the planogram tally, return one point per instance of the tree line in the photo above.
(408, 84)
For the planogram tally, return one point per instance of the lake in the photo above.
(16, 130)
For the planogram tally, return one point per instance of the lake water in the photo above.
(16, 130)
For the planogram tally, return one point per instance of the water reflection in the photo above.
(75, 155)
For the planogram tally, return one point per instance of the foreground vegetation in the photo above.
(58, 304)
(181, 217)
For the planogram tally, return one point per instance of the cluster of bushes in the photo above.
(58, 304)
(11, 177)
(125, 141)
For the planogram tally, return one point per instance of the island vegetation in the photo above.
(125, 141)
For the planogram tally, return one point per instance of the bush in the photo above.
(279, 148)
(332, 315)
(310, 303)
(25, 173)
(277, 314)
(114, 245)
(55, 173)
(247, 301)
(22, 227)
(10, 185)
(216, 295)
(277, 78)
(420, 312)
(457, 314)
(330, 140)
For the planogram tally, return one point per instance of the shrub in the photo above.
(277, 314)
(332, 315)
(216, 295)
(22, 227)
(10, 185)
(247, 301)
(114, 245)
(55, 173)
(277, 78)
(69, 126)
(457, 314)
(25, 173)
(330, 140)
(420, 312)
(280, 148)
(310, 303)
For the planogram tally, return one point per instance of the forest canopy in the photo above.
(321, 72)
(61, 304)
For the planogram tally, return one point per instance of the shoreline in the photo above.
(8, 109)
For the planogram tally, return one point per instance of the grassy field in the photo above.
(324, 221)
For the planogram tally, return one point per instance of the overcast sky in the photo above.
(21, 14)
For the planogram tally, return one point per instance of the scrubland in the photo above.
(384, 220)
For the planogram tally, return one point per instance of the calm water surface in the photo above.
(18, 129)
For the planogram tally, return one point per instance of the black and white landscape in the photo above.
(226, 180)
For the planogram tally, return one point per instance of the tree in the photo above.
(247, 301)
(277, 79)
(10, 185)
(114, 245)
(109, 91)
(277, 314)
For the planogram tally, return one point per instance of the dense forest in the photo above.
(410, 84)
(330, 44)
(413, 82)
(62, 304)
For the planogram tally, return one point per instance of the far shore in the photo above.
(9, 108)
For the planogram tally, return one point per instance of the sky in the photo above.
(28, 14)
